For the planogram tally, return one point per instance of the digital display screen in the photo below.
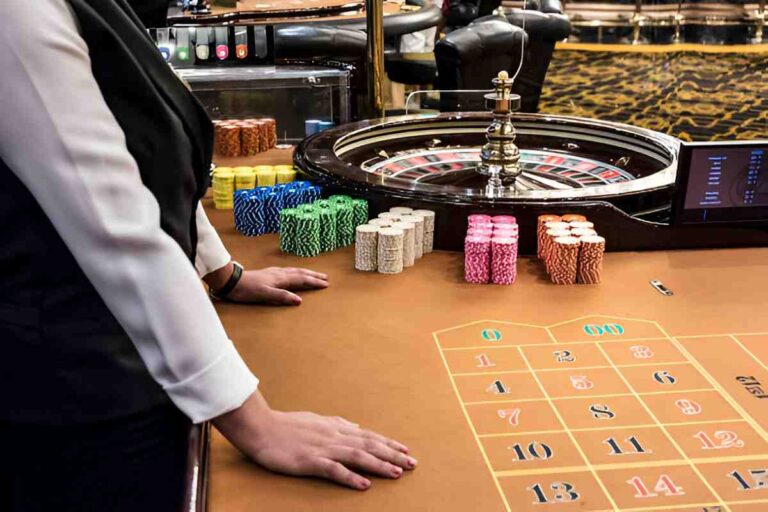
(723, 182)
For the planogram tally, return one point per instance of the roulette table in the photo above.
(524, 397)
(623, 177)
(603, 397)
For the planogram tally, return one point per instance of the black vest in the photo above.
(64, 358)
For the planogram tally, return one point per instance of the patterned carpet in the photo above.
(693, 95)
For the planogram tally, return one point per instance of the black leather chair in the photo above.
(406, 68)
(546, 24)
(460, 13)
(470, 57)
(316, 42)
(400, 67)
(326, 46)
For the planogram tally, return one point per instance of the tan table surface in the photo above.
(364, 349)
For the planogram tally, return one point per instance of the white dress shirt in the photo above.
(62, 141)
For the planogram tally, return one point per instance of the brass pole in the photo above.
(374, 23)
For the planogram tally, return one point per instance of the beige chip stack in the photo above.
(404, 235)
(429, 228)
(390, 250)
(409, 239)
(366, 248)
(418, 237)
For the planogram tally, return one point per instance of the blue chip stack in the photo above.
(257, 211)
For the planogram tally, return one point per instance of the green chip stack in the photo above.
(307, 234)
(360, 211)
(327, 228)
(288, 218)
(345, 225)
(325, 225)
(307, 208)
(340, 199)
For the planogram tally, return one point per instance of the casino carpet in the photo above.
(694, 95)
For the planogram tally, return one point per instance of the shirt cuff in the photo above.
(223, 386)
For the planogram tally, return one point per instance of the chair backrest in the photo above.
(314, 42)
(470, 57)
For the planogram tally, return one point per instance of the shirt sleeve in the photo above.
(211, 253)
(59, 137)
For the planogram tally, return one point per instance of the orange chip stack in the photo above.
(553, 230)
(580, 232)
(564, 259)
(570, 248)
(590, 265)
(250, 137)
(226, 139)
(540, 230)
(263, 134)
(271, 132)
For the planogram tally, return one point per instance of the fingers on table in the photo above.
(365, 460)
(307, 272)
(281, 297)
(368, 434)
(337, 472)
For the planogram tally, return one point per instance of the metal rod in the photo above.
(374, 24)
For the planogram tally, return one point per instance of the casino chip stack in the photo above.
(429, 228)
(259, 210)
(490, 249)
(590, 267)
(570, 248)
(477, 259)
(401, 239)
(390, 251)
(307, 234)
(337, 220)
(223, 188)
(243, 137)
(366, 248)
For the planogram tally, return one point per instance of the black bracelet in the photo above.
(224, 291)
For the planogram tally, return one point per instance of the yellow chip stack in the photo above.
(225, 170)
(266, 175)
(223, 189)
(285, 173)
(245, 178)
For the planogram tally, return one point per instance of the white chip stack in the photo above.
(366, 247)
(390, 250)
(381, 223)
(394, 240)
(429, 228)
(409, 242)
(418, 237)
(394, 217)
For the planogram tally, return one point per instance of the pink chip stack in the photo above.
(490, 249)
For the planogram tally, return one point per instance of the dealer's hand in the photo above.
(273, 285)
(306, 444)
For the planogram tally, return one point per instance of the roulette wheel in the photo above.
(441, 162)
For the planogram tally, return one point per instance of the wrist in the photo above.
(219, 277)
(245, 426)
